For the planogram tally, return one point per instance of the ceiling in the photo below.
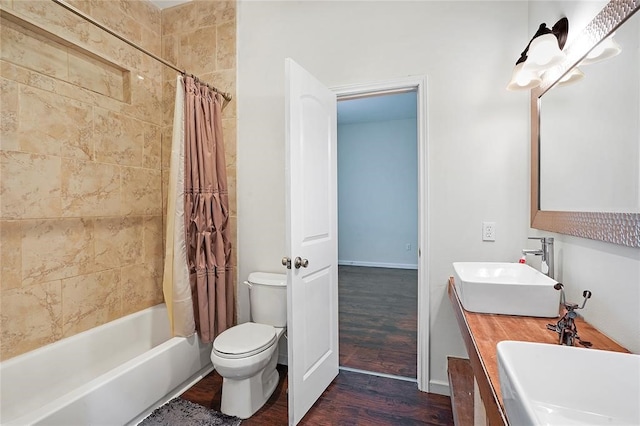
(163, 4)
(378, 108)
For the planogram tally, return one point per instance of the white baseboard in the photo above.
(378, 264)
(440, 387)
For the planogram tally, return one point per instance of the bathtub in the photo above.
(115, 374)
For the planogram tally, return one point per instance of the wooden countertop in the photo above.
(482, 332)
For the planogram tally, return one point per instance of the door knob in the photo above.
(286, 261)
(298, 262)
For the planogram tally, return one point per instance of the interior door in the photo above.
(312, 244)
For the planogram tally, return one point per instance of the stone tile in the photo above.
(31, 50)
(225, 11)
(90, 189)
(171, 49)
(119, 138)
(198, 50)
(141, 191)
(152, 150)
(231, 188)
(31, 317)
(146, 100)
(29, 185)
(165, 190)
(49, 84)
(143, 13)
(98, 76)
(56, 249)
(8, 115)
(179, 18)
(116, 16)
(168, 105)
(167, 143)
(224, 80)
(83, 5)
(53, 18)
(226, 46)
(10, 254)
(152, 41)
(153, 246)
(233, 232)
(118, 241)
(213, 12)
(55, 125)
(141, 287)
(230, 141)
(90, 300)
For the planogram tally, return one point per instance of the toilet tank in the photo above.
(268, 298)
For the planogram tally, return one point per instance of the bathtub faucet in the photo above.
(546, 251)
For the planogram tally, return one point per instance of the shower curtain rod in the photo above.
(88, 18)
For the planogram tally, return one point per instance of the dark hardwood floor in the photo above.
(378, 310)
(378, 332)
(352, 399)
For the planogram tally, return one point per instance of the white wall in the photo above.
(610, 271)
(378, 193)
(478, 147)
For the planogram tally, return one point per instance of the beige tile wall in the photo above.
(80, 170)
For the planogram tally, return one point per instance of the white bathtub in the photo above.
(115, 374)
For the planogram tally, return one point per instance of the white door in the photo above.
(311, 227)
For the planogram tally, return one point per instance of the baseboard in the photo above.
(377, 264)
(440, 387)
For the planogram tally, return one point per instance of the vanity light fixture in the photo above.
(543, 52)
(571, 77)
(607, 48)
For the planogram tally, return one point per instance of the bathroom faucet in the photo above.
(546, 251)
(566, 326)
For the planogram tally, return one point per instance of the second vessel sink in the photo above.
(506, 288)
(543, 384)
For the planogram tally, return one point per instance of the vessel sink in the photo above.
(506, 288)
(544, 384)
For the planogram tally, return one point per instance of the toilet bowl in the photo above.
(246, 355)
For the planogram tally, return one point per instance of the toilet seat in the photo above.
(244, 340)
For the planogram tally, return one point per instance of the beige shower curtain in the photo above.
(206, 208)
(176, 286)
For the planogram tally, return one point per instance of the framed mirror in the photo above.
(585, 139)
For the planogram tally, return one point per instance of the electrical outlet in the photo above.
(488, 231)
(408, 247)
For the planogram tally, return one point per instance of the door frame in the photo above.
(418, 83)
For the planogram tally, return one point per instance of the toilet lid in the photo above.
(244, 340)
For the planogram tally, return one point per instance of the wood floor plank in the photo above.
(378, 317)
(352, 399)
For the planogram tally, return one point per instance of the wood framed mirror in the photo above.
(615, 226)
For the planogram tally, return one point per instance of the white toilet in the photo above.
(246, 355)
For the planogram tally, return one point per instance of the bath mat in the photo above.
(181, 412)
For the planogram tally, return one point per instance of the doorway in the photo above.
(377, 233)
(382, 239)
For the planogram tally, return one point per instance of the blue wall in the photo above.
(377, 193)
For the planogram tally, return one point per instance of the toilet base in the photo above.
(242, 398)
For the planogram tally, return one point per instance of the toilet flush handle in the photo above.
(298, 262)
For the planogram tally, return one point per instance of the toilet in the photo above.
(246, 355)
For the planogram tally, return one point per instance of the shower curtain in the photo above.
(176, 286)
(205, 217)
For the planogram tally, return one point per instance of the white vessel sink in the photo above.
(506, 288)
(543, 384)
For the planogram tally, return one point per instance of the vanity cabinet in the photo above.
(481, 333)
